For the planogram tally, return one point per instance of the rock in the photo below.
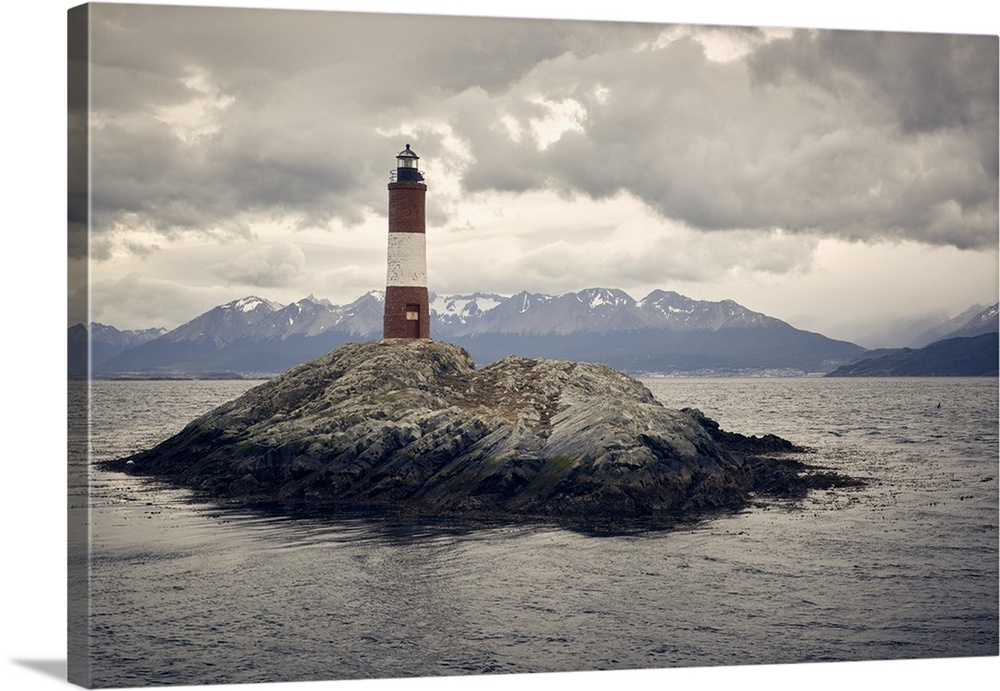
(411, 426)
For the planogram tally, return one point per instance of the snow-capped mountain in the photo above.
(985, 321)
(672, 310)
(259, 319)
(460, 309)
(221, 323)
(595, 310)
(311, 317)
(944, 327)
(664, 331)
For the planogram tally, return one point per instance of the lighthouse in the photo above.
(407, 311)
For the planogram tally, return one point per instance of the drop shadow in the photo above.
(56, 668)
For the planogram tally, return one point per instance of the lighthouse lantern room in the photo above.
(406, 166)
(407, 311)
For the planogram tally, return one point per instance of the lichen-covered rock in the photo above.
(413, 426)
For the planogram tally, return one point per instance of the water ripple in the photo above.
(191, 592)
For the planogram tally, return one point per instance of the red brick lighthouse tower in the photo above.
(407, 312)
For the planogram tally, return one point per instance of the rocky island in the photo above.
(412, 427)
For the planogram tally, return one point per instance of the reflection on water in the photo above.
(192, 592)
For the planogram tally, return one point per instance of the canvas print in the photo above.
(421, 346)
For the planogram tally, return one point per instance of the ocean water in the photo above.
(187, 592)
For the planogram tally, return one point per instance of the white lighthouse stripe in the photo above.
(407, 260)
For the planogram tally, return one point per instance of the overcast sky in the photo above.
(830, 178)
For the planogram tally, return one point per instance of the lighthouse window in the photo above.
(412, 313)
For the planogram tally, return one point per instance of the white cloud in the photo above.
(200, 117)
(271, 265)
(560, 117)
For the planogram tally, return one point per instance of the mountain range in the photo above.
(913, 330)
(962, 356)
(663, 332)
(105, 342)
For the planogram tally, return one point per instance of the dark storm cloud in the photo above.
(208, 119)
(257, 146)
(929, 81)
(845, 134)
(926, 82)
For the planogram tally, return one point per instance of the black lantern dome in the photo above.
(406, 166)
